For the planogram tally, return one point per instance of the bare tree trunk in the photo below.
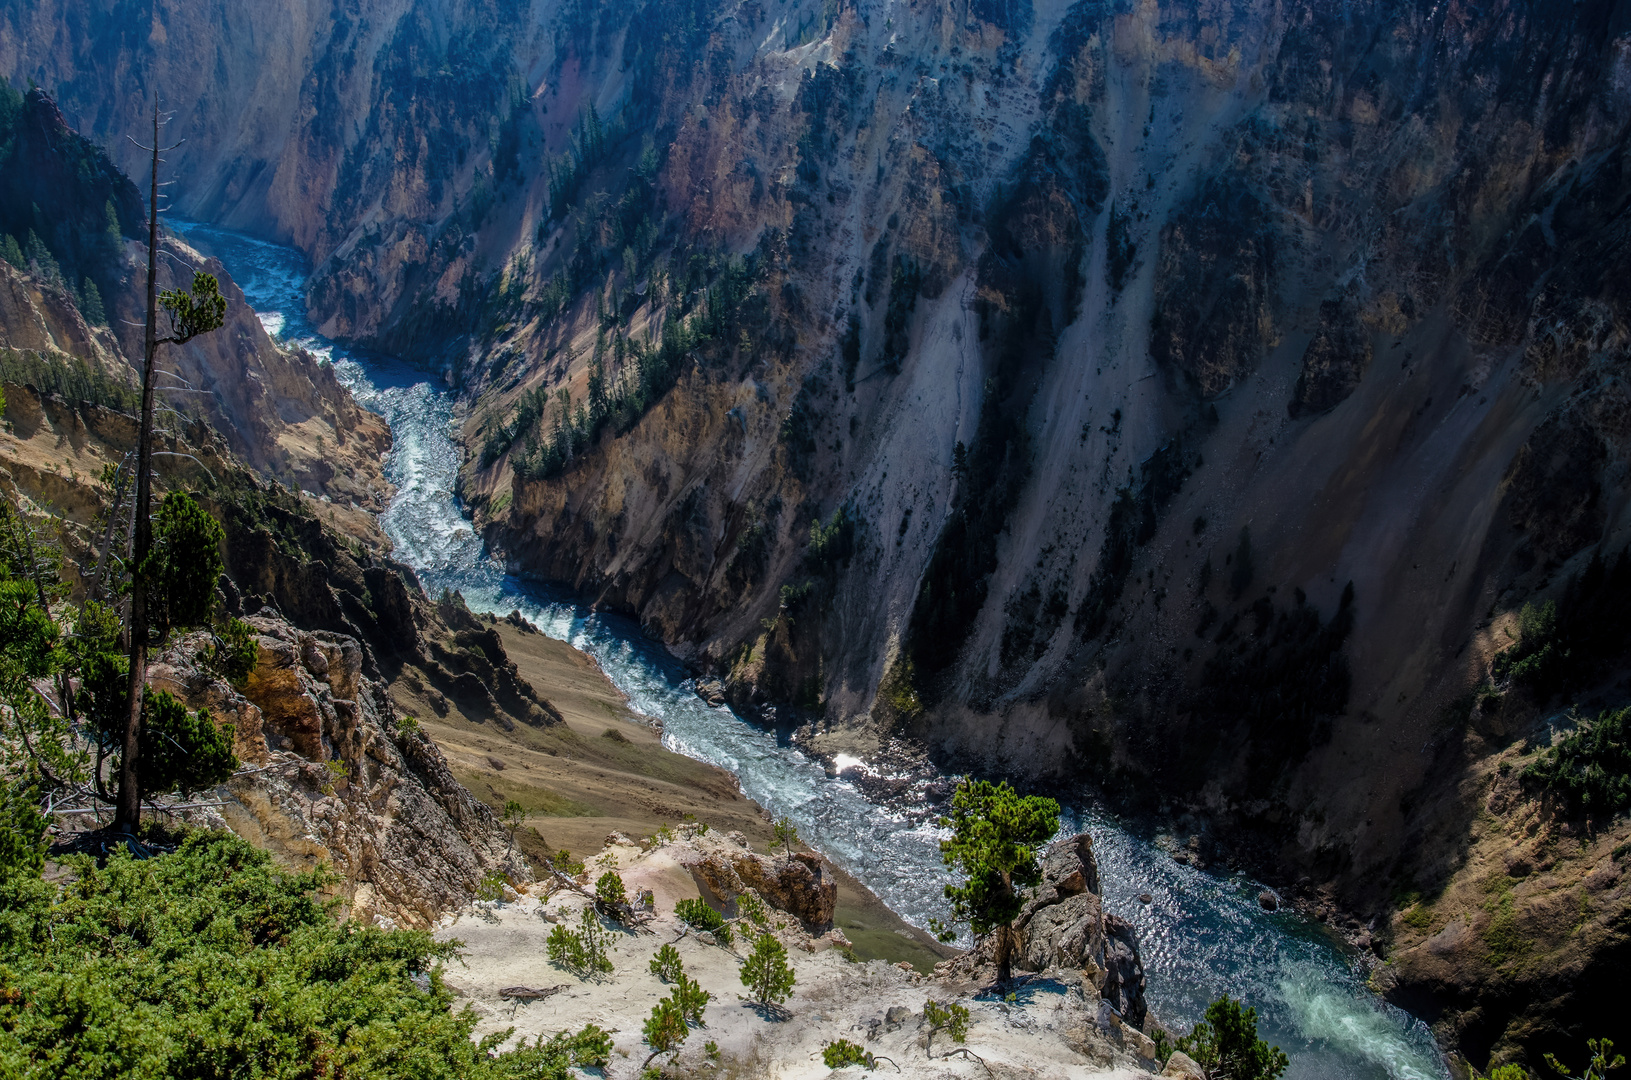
(127, 816)
(1005, 953)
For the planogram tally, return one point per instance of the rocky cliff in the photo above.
(1184, 395)
(333, 773)
(332, 770)
(72, 311)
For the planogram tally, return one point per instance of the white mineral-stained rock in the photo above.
(1048, 1032)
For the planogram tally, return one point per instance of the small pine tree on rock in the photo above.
(766, 973)
(514, 815)
(786, 835)
(690, 998)
(952, 1018)
(666, 964)
(699, 916)
(609, 891)
(665, 1030)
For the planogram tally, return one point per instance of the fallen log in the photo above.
(531, 993)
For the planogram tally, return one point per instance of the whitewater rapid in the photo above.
(1200, 934)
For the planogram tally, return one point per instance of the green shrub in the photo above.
(582, 951)
(1226, 1045)
(233, 652)
(753, 909)
(181, 750)
(491, 885)
(1162, 1040)
(1603, 1060)
(832, 542)
(210, 964)
(563, 862)
(665, 1030)
(1589, 770)
(666, 964)
(690, 998)
(22, 832)
(843, 1053)
(786, 834)
(1564, 644)
(766, 973)
(184, 565)
(699, 916)
(952, 1018)
(609, 890)
(590, 1048)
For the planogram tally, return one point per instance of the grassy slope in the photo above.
(605, 770)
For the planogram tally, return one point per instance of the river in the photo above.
(1200, 934)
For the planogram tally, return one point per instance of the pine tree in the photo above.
(996, 837)
(90, 304)
(190, 313)
(766, 973)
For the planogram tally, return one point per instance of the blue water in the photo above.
(1201, 934)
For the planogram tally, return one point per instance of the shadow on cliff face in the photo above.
(1378, 250)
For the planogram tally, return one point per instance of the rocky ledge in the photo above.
(1059, 1026)
(1064, 931)
(799, 884)
(331, 772)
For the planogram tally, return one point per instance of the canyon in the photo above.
(1181, 399)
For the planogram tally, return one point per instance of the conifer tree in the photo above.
(190, 313)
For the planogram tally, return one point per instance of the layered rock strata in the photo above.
(331, 773)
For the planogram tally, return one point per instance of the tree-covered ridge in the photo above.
(65, 208)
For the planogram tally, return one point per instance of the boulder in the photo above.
(1182, 1066)
(1124, 979)
(800, 886)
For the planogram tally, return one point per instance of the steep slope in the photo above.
(1179, 396)
(72, 228)
(333, 770)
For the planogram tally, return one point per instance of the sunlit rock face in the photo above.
(1121, 338)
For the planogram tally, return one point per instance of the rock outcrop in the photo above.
(800, 885)
(333, 774)
(1053, 1030)
(1063, 928)
(1183, 1067)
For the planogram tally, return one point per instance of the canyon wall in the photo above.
(1182, 396)
(72, 309)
